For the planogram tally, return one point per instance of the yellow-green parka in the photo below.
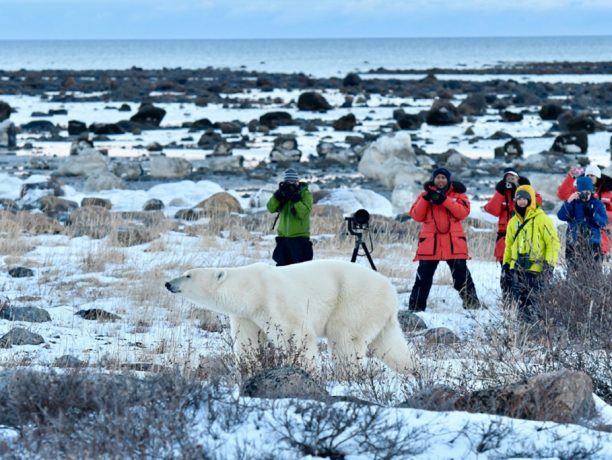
(538, 238)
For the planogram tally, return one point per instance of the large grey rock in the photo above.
(163, 167)
(97, 314)
(104, 180)
(127, 169)
(20, 272)
(220, 203)
(410, 322)
(285, 149)
(148, 114)
(226, 164)
(443, 113)
(441, 336)
(283, 382)
(86, 163)
(21, 336)
(27, 314)
(313, 101)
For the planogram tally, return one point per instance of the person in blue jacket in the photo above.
(586, 217)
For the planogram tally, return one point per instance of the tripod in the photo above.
(359, 243)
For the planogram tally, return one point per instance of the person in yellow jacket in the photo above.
(532, 250)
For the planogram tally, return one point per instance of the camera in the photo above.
(523, 261)
(288, 187)
(358, 221)
(584, 196)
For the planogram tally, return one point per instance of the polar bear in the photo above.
(352, 306)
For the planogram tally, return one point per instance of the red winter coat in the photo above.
(501, 205)
(442, 236)
(603, 191)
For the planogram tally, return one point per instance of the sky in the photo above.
(249, 19)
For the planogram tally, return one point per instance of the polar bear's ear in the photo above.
(221, 275)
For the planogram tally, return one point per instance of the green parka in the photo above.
(294, 218)
(538, 238)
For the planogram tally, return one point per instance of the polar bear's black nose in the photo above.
(169, 286)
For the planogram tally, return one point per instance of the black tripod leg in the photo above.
(355, 252)
(367, 253)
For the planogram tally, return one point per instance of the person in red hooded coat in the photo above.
(441, 208)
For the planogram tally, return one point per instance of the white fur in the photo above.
(353, 306)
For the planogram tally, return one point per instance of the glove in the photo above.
(296, 197)
(280, 195)
(427, 196)
(506, 268)
(437, 198)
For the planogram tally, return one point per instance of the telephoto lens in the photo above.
(361, 216)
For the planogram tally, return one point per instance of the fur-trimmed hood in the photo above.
(455, 186)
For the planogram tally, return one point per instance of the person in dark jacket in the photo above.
(586, 217)
(441, 208)
(293, 203)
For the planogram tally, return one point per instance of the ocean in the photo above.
(316, 57)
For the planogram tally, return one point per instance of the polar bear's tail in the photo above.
(391, 347)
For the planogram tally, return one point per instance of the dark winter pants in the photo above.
(525, 287)
(462, 282)
(505, 282)
(292, 250)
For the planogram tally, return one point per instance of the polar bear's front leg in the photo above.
(246, 335)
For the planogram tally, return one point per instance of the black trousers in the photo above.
(462, 282)
(505, 282)
(292, 250)
(525, 287)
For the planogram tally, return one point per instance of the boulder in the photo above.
(153, 204)
(474, 104)
(409, 121)
(283, 382)
(443, 113)
(285, 149)
(410, 322)
(441, 336)
(351, 79)
(511, 117)
(133, 235)
(577, 142)
(76, 127)
(85, 164)
(97, 314)
(5, 110)
(313, 102)
(345, 123)
(550, 111)
(8, 134)
(219, 203)
(40, 126)
(512, 148)
(223, 148)
(127, 169)
(104, 180)
(329, 151)
(224, 164)
(568, 121)
(21, 336)
(148, 114)
(20, 272)
(68, 361)
(27, 314)
(54, 206)
(209, 139)
(275, 119)
(229, 127)
(93, 221)
(164, 167)
(92, 201)
(106, 129)
(31, 192)
(81, 145)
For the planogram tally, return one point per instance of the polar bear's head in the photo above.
(200, 285)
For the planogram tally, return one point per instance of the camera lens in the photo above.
(362, 216)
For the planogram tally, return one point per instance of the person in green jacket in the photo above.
(532, 250)
(293, 202)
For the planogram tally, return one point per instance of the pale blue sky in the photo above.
(83, 19)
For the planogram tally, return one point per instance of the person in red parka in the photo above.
(501, 205)
(441, 208)
(603, 191)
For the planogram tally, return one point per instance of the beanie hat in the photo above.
(291, 175)
(584, 184)
(443, 171)
(523, 194)
(510, 171)
(592, 170)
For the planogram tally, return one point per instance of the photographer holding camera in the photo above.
(586, 217)
(441, 208)
(532, 249)
(293, 203)
(602, 189)
(501, 205)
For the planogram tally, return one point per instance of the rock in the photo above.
(54, 206)
(563, 397)
(8, 134)
(443, 113)
(132, 235)
(92, 201)
(577, 142)
(219, 203)
(441, 336)
(285, 149)
(550, 111)
(511, 117)
(93, 221)
(474, 104)
(351, 79)
(6, 204)
(104, 180)
(436, 398)
(512, 148)
(209, 139)
(345, 123)
(568, 121)
(455, 160)
(189, 214)
(5, 110)
(201, 124)
(106, 129)
(223, 148)
(21, 336)
(32, 191)
(232, 164)
(275, 119)
(127, 169)
(230, 127)
(409, 121)
(76, 127)
(124, 108)
(283, 382)
(162, 166)
(40, 126)
(313, 102)
(390, 160)
(85, 164)
(20, 272)
(27, 314)
(154, 147)
(97, 314)
(153, 204)
(69, 361)
(329, 151)
(81, 145)
(410, 322)
(148, 114)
